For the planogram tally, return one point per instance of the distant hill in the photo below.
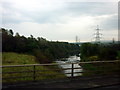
(103, 42)
(106, 42)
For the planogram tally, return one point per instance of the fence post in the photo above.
(72, 71)
(34, 73)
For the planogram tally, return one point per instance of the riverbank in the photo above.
(11, 58)
(101, 68)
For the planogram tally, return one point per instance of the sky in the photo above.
(61, 20)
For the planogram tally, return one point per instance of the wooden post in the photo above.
(34, 73)
(72, 71)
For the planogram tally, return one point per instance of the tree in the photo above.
(11, 32)
(45, 51)
(17, 35)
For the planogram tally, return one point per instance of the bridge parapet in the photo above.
(34, 72)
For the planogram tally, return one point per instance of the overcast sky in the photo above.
(61, 20)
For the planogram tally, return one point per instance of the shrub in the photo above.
(93, 58)
(118, 55)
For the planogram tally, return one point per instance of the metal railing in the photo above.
(34, 69)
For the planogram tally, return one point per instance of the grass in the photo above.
(10, 58)
(101, 68)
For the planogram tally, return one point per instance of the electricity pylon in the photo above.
(76, 39)
(97, 35)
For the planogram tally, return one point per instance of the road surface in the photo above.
(76, 83)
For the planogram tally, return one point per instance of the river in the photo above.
(71, 59)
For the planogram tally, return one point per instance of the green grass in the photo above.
(12, 58)
(45, 72)
(101, 68)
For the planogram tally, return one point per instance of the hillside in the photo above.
(11, 58)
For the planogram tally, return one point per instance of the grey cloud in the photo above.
(111, 23)
(13, 15)
(91, 8)
(72, 9)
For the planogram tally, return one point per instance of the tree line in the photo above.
(44, 50)
(95, 51)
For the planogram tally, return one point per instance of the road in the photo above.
(93, 82)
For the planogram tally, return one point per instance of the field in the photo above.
(45, 72)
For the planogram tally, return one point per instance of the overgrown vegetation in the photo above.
(45, 72)
(45, 51)
(98, 52)
(105, 68)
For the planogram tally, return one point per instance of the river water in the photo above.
(71, 59)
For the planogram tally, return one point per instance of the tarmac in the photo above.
(104, 82)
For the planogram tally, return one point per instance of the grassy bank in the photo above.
(12, 58)
(22, 59)
(101, 68)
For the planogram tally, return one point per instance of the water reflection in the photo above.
(71, 59)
